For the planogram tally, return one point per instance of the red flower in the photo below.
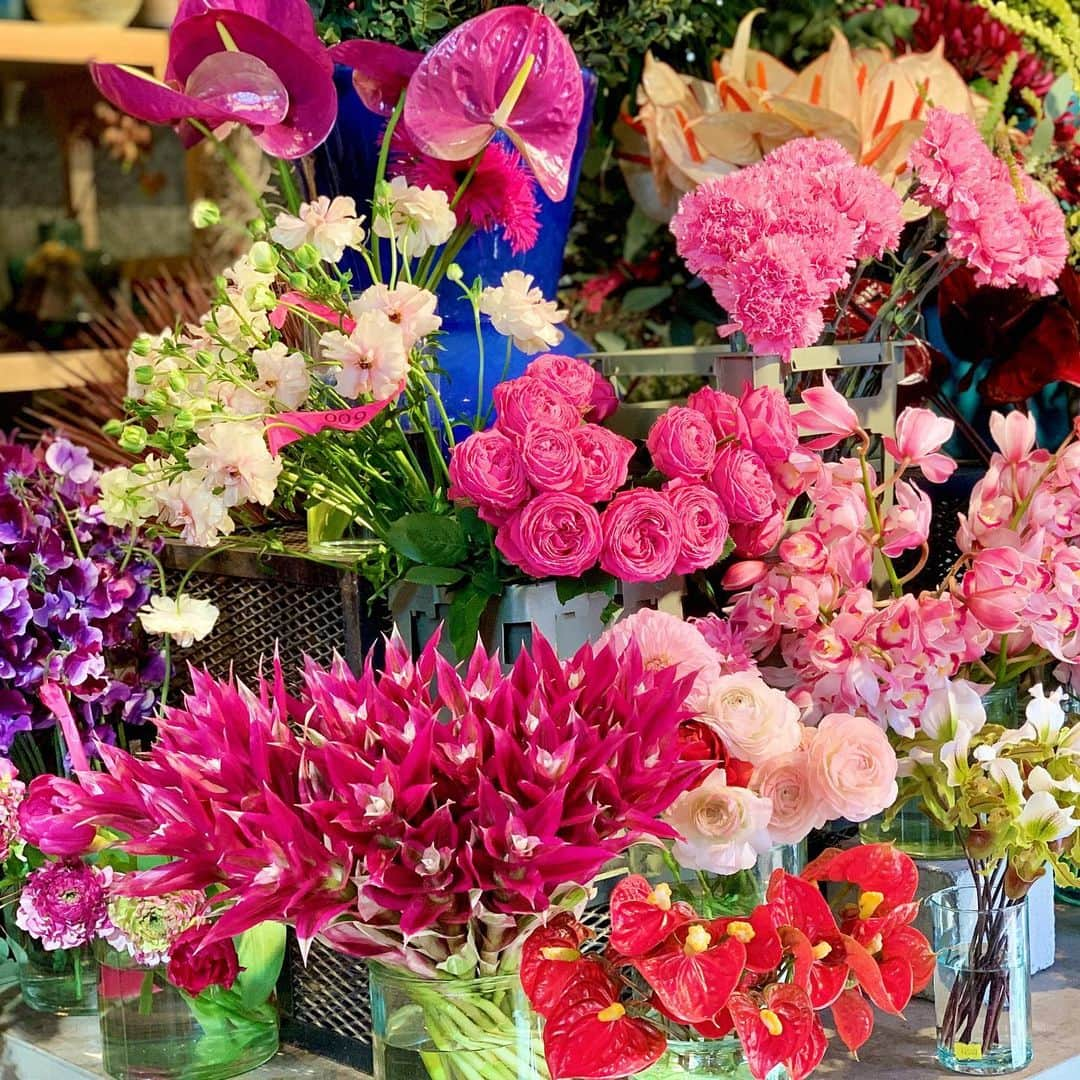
(764, 950)
(694, 972)
(194, 966)
(779, 1027)
(592, 1037)
(879, 868)
(550, 958)
(643, 916)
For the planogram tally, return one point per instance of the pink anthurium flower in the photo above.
(253, 62)
(509, 70)
(380, 71)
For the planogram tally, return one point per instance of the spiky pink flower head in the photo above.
(64, 904)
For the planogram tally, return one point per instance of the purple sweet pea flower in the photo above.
(69, 461)
(14, 717)
(256, 62)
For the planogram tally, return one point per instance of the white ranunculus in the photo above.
(185, 619)
(518, 310)
(755, 721)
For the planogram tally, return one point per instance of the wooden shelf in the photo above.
(21, 372)
(25, 42)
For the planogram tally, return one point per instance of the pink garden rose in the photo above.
(519, 402)
(784, 779)
(723, 829)
(605, 461)
(722, 411)
(552, 458)
(742, 481)
(682, 444)
(703, 522)
(755, 720)
(486, 470)
(577, 381)
(556, 535)
(773, 435)
(852, 766)
(642, 537)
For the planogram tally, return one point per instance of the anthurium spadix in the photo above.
(509, 70)
(254, 62)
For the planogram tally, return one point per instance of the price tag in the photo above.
(967, 1051)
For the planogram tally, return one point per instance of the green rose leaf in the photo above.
(428, 539)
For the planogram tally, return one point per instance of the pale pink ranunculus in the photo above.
(525, 400)
(605, 461)
(486, 469)
(723, 412)
(852, 767)
(907, 522)
(723, 829)
(784, 779)
(682, 444)
(1014, 433)
(997, 586)
(920, 435)
(755, 720)
(642, 536)
(755, 538)
(828, 416)
(552, 458)
(773, 435)
(577, 381)
(556, 535)
(742, 481)
(703, 522)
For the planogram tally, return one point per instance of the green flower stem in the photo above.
(450, 253)
(76, 964)
(380, 175)
(146, 993)
(288, 187)
(875, 521)
(234, 166)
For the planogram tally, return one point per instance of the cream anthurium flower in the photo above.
(956, 705)
(1043, 821)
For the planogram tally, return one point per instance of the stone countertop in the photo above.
(34, 1046)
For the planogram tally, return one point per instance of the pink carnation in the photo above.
(951, 160)
(703, 524)
(1048, 242)
(556, 535)
(605, 461)
(552, 459)
(642, 537)
(525, 400)
(742, 481)
(682, 444)
(487, 470)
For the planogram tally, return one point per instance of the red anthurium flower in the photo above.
(510, 70)
(809, 931)
(764, 949)
(877, 868)
(889, 957)
(779, 1027)
(642, 915)
(853, 1018)
(550, 958)
(694, 972)
(592, 1037)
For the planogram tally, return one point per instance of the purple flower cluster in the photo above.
(70, 590)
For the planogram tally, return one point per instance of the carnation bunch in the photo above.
(420, 815)
(763, 975)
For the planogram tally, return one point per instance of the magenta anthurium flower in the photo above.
(509, 70)
(253, 62)
(380, 71)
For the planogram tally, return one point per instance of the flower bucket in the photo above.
(453, 1029)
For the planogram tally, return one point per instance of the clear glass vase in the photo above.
(705, 1059)
(150, 1030)
(715, 895)
(982, 994)
(59, 981)
(915, 833)
(453, 1029)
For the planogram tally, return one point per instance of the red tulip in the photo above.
(643, 916)
(779, 1027)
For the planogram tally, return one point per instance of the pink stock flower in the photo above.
(920, 435)
(773, 435)
(785, 780)
(682, 444)
(723, 412)
(521, 401)
(556, 534)
(64, 904)
(702, 522)
(827, 416)
(642, 538)
(577, 381)
(551, 458)
(852, 766)
(907, 521)
(486, 469)
(605, 461)
(742, 481)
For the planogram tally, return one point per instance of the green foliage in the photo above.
(429, 539)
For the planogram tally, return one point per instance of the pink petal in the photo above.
(380, 71)
(240, 86)
(148, 100)
(456, 92)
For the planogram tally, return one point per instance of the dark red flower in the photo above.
(779, 1027)
(195, 967)
(642, 916)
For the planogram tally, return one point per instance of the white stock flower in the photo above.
(186, 619)
(372, 357)
(243, 277)
(237, 323)
(234, 458)
(518, 310)
(330, 226)
(407, 306)
(1043, 820)
(147, 353)
(124, 498)
(189, 504)
(419, 218)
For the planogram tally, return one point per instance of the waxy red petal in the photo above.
(854, 1019)
(909, 943)
(824, 979)
(801, 1044)
(873, 867)
(764, 950)
(799, 903)
(637, 925)
(694, 988)
(871, 977)
(545, 980)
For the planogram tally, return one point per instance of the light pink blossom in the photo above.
(920, 435)
(827, 416)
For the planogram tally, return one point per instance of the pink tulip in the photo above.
(1014, 434)
(742, 575)
(920, 434)
(827, 416)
